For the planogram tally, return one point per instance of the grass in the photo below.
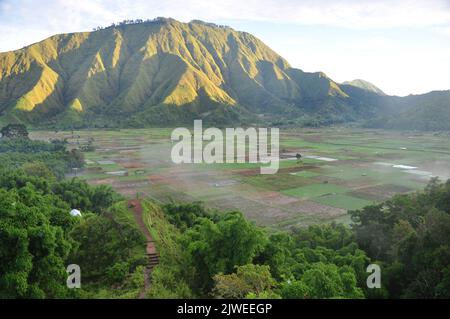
(307, 174)
(277, 182)
(314, 190)
(167, 239)
(349, 173)
(342, 201)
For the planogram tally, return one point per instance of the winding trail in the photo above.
(151, 251)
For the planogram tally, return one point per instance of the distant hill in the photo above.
(365, 86)
(426, 112)
(164, 72)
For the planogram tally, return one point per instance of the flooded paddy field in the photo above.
(340, 169)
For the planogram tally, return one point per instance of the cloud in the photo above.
(348, 13)
(443, 30)
(26, 21)
(84, 14)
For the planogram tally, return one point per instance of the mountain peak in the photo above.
(365, 85)
(149, 69)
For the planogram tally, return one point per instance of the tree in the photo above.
(185, 216)
(323, 281)
(218, 247)
(294, 289)
(38, 169)
(89, 147)
(409, 234)
(103, 243)
(254, 280)
(75, 159)
(278, 255)
(14, 131)
(33, 248)
(80, 195)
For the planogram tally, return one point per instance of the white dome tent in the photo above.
(75, 213)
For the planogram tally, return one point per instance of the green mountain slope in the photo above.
(141, 68)
(426, 112)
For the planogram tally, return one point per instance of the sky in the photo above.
(401, 46)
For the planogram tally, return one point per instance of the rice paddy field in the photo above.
(341, 169)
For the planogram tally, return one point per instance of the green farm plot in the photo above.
(93, 176)
(349, 173)
(342, 201)
(227, 166)
(306, 174)
(277, 182)
(311, 161)
(401, 178)
(314, 190)
(111, 167)
(238, 166)
(132, 178)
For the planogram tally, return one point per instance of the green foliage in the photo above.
(217, 247)
(29, 146)
(294, 289)
(323, 281)
(290, 256)
(326, 281)
(14, 131)
(34, 245)
(81, 196)
(170, 278)
(15, 153)
(129, 288)
(250, 280)
(38, 169)
(117, 272)
(409, 234)
(39, 238)
(227, 257)
(184, 216)
(109, 245)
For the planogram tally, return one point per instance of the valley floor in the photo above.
(341, 169)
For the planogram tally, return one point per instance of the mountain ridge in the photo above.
(163, 71)
(365, 85)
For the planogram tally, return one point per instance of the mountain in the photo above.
(365, 86)
(155, 72)
(164, 72)
(425, 112)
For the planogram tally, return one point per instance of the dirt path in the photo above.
(151, 252)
